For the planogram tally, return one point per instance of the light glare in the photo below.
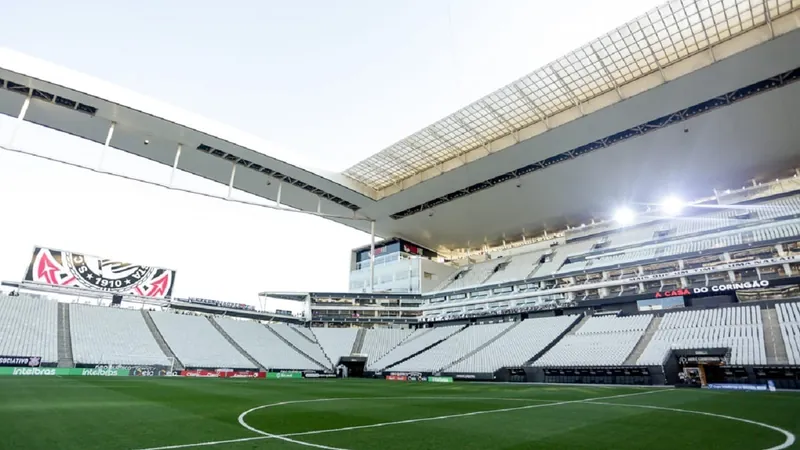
(672, 206)
(624, 216)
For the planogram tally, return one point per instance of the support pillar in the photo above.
(175, 164)
(278, 197)
(106, 144)
(20, 118)
(233, 177)
(372, 257)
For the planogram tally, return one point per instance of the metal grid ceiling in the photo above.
(659, 38)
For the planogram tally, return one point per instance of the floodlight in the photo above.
(624, 216)
(672, 206)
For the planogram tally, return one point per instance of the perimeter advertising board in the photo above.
(78, 270)
(62, 372)
(18, 361)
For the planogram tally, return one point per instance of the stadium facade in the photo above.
(500, 258)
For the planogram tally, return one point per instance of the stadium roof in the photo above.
(554, 148)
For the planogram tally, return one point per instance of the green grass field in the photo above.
(145, 413)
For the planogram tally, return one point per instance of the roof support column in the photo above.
(278, 197)
(20, 118)
(175, 163)
(109, 135)
(372, 256)
(233, 177)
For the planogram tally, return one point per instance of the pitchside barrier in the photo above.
(61, 372)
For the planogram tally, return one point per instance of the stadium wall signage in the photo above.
(712, 269)
(281, 375)
(713, 289)
(318, 375)
(742, 387)
(440, 379)
(57, 371)
(18, 361)
(81, 271)
(223, 373)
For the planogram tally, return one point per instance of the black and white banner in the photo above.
(81, 271)
(20, 361)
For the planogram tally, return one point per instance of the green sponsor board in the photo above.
(276, 375)
(440, 379)
(101, 372)
(31, 371)
(60, 371)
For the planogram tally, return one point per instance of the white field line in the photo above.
(288, 437)
(790, 438)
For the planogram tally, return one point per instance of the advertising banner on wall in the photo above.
(280, 375)
(63, 372)
(20, 361)
(318, 375)
(440, 379)
(78, 270)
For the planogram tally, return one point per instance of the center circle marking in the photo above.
(537, 403)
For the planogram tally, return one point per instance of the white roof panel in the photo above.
(658, 39)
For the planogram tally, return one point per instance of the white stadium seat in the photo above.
(196, 343)
(416, 342)
(600, 341)
(29, 327)
(103, 335)
(379, 341)
(516, 347)
(789, 320)
(336, 342)
(738, 328)
(453, 348)
(293, 335)
(264, 346)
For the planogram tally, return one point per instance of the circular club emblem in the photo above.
(105, 274)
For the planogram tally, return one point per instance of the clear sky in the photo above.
(331, 82)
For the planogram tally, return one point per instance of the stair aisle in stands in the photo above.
(359, 343)
(64, 337)
(642, 344)
(235, 344)
(481, 347)
(774, 345)
(326, 364)
(178, 365)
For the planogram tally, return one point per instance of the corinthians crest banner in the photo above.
(81, 271)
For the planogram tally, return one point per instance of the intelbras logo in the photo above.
(100, 372)
(32, 371)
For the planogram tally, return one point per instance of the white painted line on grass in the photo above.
(790, 438)
(789, 441)
(288, 437)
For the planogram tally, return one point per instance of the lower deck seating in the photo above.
(789, 320)
(516, 347)
(336, 342)
(737, 328)
(29, 327)
(379, 341)
(196, 343)
(300, 339)
(455, 347)
(416, 342)
(103, 335)
(601, 341)
(264, 346)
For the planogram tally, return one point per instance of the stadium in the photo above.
(510, 296)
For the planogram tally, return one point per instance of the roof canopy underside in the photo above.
(605, 71)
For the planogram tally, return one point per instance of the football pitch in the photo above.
(176, 413)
